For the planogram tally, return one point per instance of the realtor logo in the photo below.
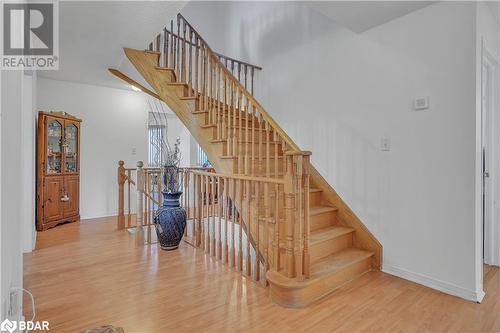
(36, 33)
(8, 326)
(30, 35)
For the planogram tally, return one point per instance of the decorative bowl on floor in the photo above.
(170, 221)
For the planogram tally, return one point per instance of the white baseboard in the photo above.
(97, 216)
(445, 287)
(100, 215)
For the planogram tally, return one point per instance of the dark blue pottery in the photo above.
(170, 221)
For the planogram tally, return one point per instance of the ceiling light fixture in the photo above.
(134, 88)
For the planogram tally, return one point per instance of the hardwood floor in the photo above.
(88, 274)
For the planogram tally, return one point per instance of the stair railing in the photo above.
(244, 71)
(146, 183)
(252, 137)
(253, 224)
(250, 223)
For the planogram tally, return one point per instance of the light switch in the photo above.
(134, 151)
(385, 144)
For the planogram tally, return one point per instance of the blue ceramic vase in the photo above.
(170, 221)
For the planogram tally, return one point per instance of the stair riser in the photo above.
(243, 148)
(328, 247)
(180, 90)
(323, 220)
(191, 104)
(223, 118)
(242, 134)
(301, 297)
(259, 167)
(168, 75)
(315, 199)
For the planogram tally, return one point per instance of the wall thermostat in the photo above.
(421, 103)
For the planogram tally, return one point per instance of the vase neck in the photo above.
(171, 200)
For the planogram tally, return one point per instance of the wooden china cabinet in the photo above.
(58, 169)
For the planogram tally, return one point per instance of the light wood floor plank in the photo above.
(88, 274)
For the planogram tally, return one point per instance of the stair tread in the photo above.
(327, 233)
(177, 84)
(263, 157)
(263, 175)
(338, 261)
(185, 98)
(165, 68)
(243, 141)
(225, 113)
(237, 127)
(315, 210)
(327, 266)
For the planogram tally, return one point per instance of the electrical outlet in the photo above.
(134, 151)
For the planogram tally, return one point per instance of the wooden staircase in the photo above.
(321, 244)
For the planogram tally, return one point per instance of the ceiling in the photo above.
(360, 16)
(92, 36)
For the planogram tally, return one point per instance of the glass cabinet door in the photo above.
(71, 148)
(54, 146)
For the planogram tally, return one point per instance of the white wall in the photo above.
(114, 122)
(444, 168)
(338, 94)
(28, 139)
(11, 261)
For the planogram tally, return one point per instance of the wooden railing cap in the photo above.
(298, 152)
(140, 164)
(121, 163)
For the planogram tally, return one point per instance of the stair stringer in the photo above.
(146, 63)
(363, 238)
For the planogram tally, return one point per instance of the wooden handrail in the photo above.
(241, 177)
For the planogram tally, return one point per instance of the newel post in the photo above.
(121, 196)
(306, 171)
(139, 232)
(197, 209)
(297, 213)
(289, 189)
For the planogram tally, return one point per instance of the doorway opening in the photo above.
(490, 139)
